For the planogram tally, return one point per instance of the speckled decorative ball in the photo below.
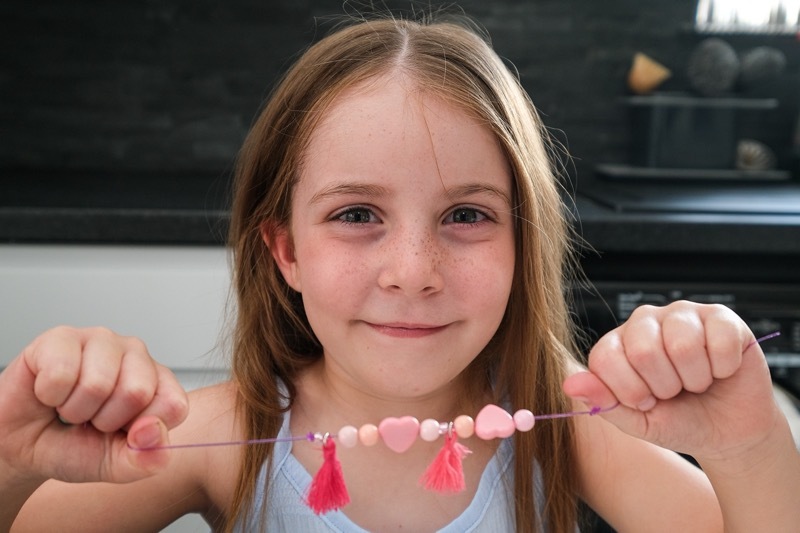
(761, 62)
(754, 155)
(713, 67)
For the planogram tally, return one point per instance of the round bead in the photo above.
(368, 435)
(429, 430)
(464, 426)
(524, 420)
(348, 436)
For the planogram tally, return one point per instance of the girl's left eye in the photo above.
(465, 215)
(356, 215)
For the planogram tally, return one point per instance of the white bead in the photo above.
(348, 436)
(524, 420)
(429, 430)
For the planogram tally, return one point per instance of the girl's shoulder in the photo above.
(212, 419)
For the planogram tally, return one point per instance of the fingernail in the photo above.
(148, 436)
(647, 404)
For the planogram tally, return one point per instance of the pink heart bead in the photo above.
(399, 433)
(494, 423)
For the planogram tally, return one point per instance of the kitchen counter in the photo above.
(113, 208)
(691, 218)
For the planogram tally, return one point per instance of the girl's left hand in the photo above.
(687, 377)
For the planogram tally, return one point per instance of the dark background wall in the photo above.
(172, 85)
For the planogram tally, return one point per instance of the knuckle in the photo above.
(699, 385)
(100, 332)
(680, 350)
(639, 357)
(136, 345)
(62, 330)
(170, 402)
(643, 310)
(600, 361)
(175, 409)
(670, 390)
(137, 395)
(97, 387)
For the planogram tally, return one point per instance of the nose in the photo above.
(411, 263)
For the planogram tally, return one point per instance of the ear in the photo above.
(280, 245)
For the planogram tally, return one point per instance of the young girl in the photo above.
(401, 250)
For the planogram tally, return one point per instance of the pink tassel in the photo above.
(328, 490)
(445, 473)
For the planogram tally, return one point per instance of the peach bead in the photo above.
(348, 436)
(429, 430)
(464, 426)
(368, 435)
(524, 420)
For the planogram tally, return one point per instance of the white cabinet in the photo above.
(172, 297)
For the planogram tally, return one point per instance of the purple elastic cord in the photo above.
(309, 437)
(591, 412)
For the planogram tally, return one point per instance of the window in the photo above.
(748, 16)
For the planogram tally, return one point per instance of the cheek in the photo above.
(329, 274)
(494, 268)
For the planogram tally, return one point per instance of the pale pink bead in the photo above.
(464, 426)
(429, 430)
(348, 436)
(368, 435)
(524, 420)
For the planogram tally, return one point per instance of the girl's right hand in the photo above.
(75, 399)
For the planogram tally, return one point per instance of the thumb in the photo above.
(144, 450)
(589, 389)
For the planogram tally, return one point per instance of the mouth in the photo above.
(406, 331)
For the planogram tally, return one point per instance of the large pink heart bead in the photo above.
(399, 433)
(494, 422)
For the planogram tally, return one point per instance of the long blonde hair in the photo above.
(526, 361)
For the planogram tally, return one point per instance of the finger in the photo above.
(608, 361)
(170, 403)
(726, 338)
(133, 392)
(99, 371)
(684, 339)
(54, 358)
(646, 354)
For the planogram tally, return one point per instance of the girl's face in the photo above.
(401, 241)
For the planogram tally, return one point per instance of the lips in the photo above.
(407, 331)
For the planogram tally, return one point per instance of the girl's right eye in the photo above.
(356, 215)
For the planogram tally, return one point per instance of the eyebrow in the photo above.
(374, 191)
(344, 189)
(470, 189)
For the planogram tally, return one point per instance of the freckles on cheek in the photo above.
(341, 275)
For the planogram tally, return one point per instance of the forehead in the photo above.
(394, 96)
(393, 120)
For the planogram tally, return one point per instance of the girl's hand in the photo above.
(688, 377)
(75, 398)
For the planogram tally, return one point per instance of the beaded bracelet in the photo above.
(445, 474)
